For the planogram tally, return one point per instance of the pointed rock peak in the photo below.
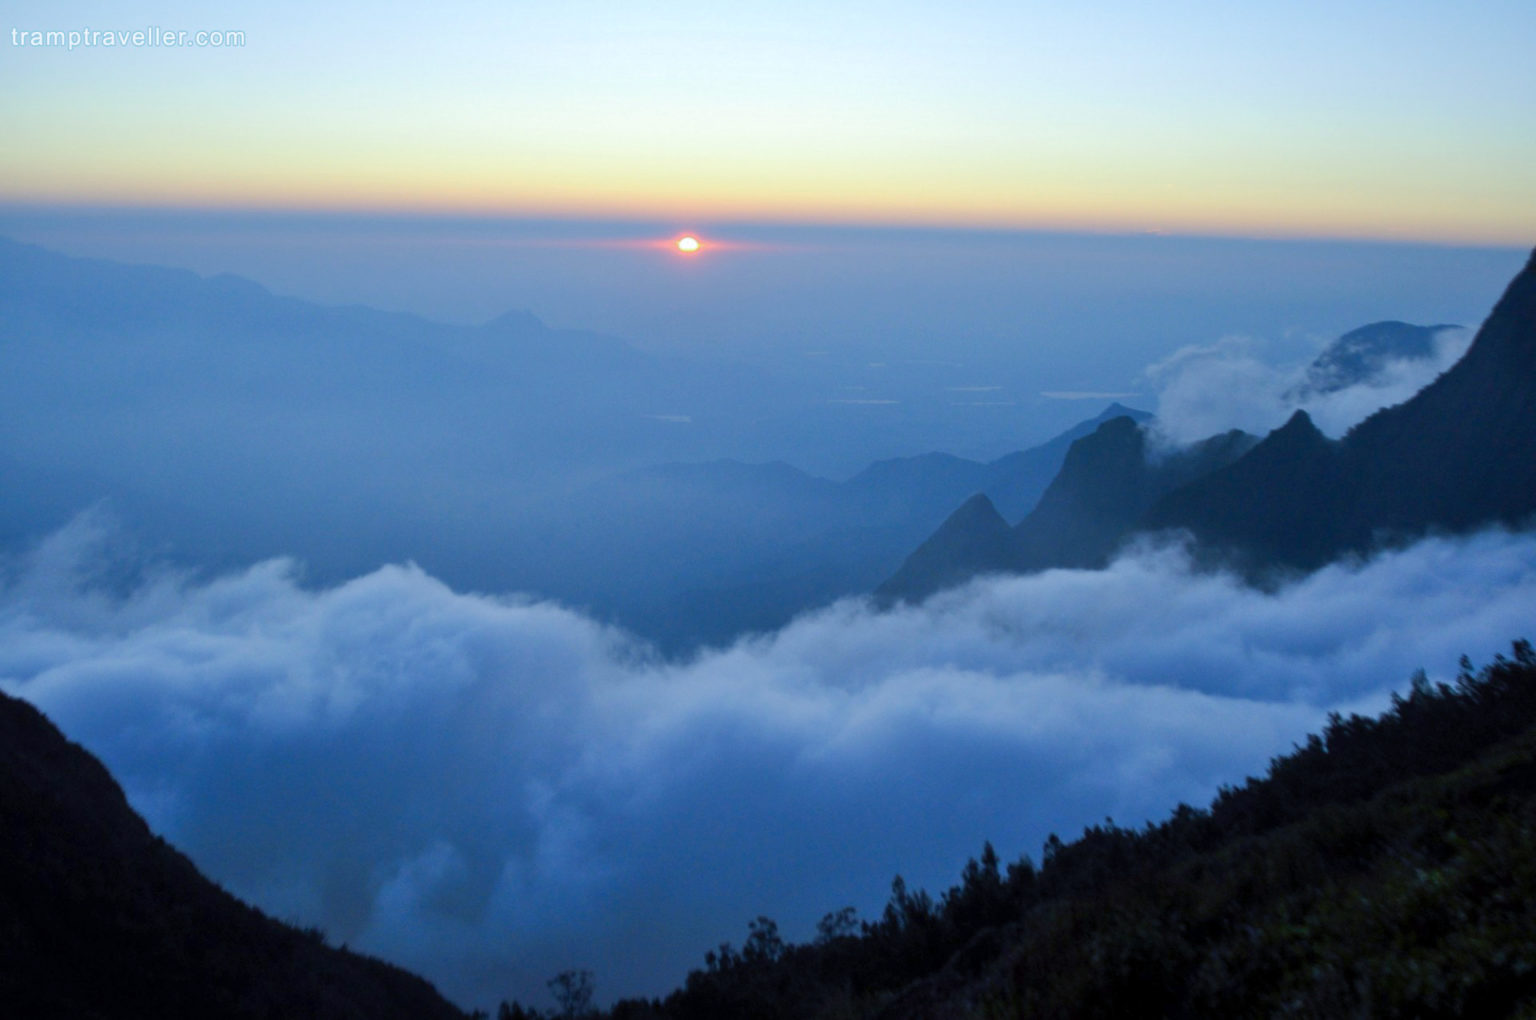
(974, 539)
(1298, 434)
(1299, 427)
(1119, 410)
(974, 512)
(1113, 445)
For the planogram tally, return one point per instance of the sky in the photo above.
(1403, 120)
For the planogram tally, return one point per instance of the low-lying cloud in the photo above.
(489, 790)
(1204, 389)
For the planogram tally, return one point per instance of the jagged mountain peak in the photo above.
(973, 539)
(978, 510)
(1457, 455)
(1299, 429)
(1119, 410)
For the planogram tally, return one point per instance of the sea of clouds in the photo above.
(492, 789)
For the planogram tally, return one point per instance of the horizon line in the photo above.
(665, 222)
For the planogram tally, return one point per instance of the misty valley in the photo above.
(420, 667)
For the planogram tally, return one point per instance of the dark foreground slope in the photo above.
(1386, 868)
(100, 918)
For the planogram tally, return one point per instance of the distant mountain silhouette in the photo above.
(973, 540)
(932, 482)
(1460, 454)
(100, 918)
(721, 548)
(38, 287)
(1297, 463)
(1362, 354)
(1018, 480)
(225, 424)
(1107, 482)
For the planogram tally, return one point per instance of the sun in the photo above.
(688, 244)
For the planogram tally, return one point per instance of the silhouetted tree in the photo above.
(836, 925)
(572, 989)
(763, 942)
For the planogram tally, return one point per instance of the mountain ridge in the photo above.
(1454, 456)
(1107, 481)
(738, 547)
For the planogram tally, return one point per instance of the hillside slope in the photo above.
(1386, 868)
(100, 918)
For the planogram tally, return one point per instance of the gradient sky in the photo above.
(1402, 120)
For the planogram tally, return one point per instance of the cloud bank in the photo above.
(1204, 389)
(489, 789)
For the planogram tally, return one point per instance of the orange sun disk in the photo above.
(688, 244)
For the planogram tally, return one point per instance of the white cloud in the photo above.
(1206, 389)
(490, 790)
